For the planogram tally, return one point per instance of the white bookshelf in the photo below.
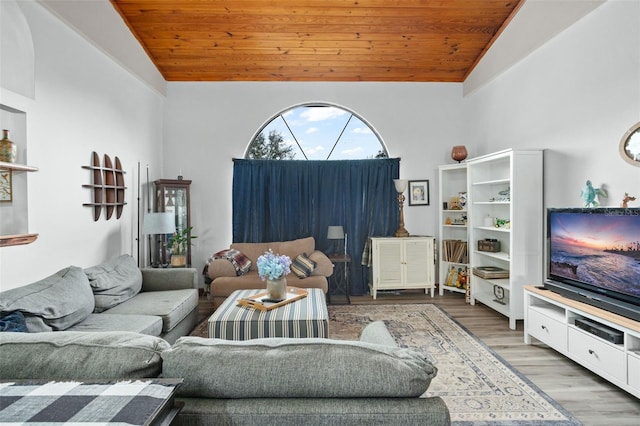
(452, 224)
(507, 185)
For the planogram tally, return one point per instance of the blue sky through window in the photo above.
(315, 129)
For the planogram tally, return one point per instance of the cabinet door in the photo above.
(418, 262)
(174, 196)
(389, 263)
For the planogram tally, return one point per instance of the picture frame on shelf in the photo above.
(418, 192)
(6, 186)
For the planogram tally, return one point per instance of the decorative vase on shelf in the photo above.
(8, 149)
(277, 289)
(459, 153)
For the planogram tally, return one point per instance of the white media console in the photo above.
(551, 318)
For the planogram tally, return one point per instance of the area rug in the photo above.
(478, 386)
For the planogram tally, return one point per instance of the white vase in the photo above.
(277, 289)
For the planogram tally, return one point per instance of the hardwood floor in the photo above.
(591, 399)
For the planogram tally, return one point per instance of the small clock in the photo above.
(499, 293)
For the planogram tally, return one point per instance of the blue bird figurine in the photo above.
(589, 195)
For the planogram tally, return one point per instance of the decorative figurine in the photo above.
(626, 199)
(589, 195)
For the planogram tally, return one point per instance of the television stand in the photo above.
(551, 319)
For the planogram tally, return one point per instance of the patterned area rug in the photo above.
(478, 386)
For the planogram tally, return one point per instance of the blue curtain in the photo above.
(276, 200)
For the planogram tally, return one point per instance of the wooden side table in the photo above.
(339, 280)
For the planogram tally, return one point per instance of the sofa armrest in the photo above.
(220, 268)
(324, 266)
(159, 279)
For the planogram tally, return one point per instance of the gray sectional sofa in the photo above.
(115, 322)
(255, 382)
(113, 296)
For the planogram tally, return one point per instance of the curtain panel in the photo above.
(280, 200)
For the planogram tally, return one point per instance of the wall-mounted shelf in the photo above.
(16, 240)
(107, 187)
(17, 167)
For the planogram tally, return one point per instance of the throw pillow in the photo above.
(114, 281)
(302, 266)
(13, 321)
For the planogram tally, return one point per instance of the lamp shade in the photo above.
(335, 233)
(401, 184)
(159, 223)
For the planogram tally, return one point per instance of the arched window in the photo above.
(316, 131)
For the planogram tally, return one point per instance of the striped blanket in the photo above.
(125, 402)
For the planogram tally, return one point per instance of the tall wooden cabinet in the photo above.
(506, 208)
(173, 195)
(453, 229)
(402, 263)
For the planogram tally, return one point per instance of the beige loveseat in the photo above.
(223, 278)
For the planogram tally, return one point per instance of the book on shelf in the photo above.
(454, 251)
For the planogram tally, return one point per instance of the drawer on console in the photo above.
(595, 353)
(546, 329)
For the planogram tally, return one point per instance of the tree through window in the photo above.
(316, 132)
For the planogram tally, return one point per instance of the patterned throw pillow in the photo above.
(302, 266)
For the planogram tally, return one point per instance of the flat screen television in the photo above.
(593, 256)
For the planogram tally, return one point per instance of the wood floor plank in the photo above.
(591, 399)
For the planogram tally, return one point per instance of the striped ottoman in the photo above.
(307, 317)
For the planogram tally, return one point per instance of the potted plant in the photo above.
(180, 242)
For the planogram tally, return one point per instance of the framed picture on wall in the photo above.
(6, 190)
(418, 192)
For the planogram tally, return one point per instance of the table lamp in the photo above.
(401, 186)
(337, 233)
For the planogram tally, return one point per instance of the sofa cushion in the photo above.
(296, 247)
(115, 281)
(296, 368)
(144, 324)
(13, 321)
(171, 305)
(53, 303)
(71, 355)
(302, 266)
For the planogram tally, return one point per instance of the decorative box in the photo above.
(489, 245)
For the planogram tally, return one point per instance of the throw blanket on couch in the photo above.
(239, 260)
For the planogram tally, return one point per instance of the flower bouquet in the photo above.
(273, 268)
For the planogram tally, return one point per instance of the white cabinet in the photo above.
(402, 263)
(453, 230)
(551, 319)
(505, 202)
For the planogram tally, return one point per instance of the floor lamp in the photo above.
(158, 224)
(401, 186)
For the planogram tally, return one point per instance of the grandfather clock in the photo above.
(172, 195)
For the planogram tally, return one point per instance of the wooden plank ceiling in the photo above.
(316, 40)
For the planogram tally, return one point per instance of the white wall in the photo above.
(84, 102)
(208, 124)
(575, 97)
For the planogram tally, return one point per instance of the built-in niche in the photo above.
(14, 210)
